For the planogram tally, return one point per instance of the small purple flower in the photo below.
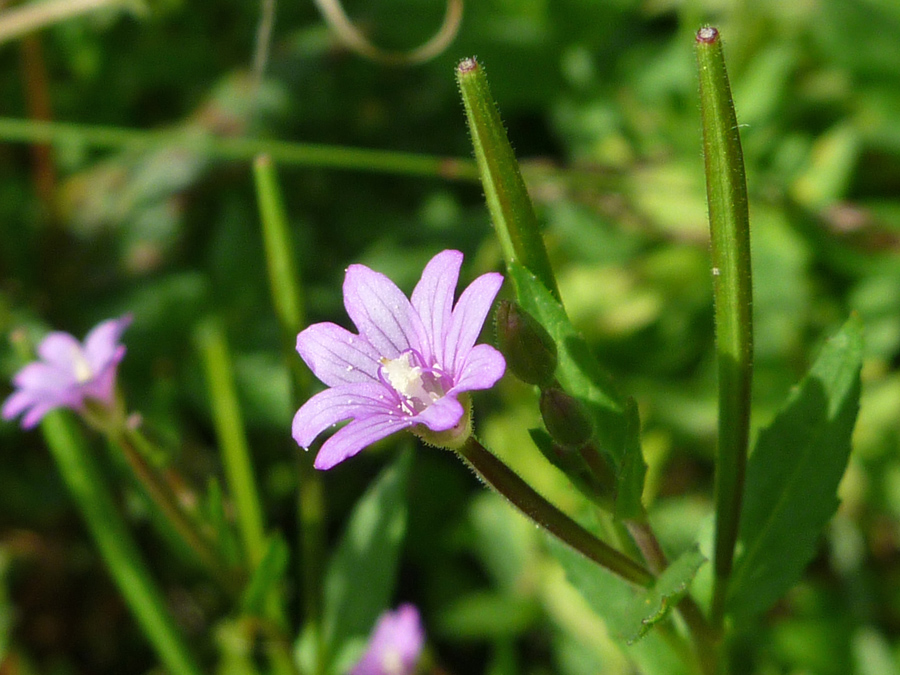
(408, 365)
(68, 373)
(395, 644)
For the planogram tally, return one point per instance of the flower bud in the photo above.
(529, 350)
(565, 418)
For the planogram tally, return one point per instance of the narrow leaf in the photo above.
(654, 604)
(226, 541)
(578, 371)
(267, 576)
(630, 481)
(360, 580)
(793, 475)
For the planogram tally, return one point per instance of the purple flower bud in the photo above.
(529, 350)
(407, 367)
(69, 373)
(395, 644)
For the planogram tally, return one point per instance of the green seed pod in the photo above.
(565, 418)
(529, 350)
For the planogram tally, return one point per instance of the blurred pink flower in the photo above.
(68, 373)
(395, 644)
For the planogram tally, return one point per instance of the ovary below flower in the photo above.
(407, 367)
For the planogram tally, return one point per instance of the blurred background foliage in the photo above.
(600, 100)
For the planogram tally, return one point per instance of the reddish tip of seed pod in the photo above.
(467, 65)
(707, 35)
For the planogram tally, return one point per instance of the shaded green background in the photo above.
(600, 100)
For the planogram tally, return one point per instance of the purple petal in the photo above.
(381, 312)
(17, 402)
(103, 386)
(36, 414)
(468, 317)
(338, 404)
(432, 299)
(42, 377)
(59, 350)
(337, 356)
(101, 345)
(441, 415)
(481, 369)
(395, 645)
(356, 436)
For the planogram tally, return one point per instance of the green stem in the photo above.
(232, 438)
(287, 298)
(238, 466)
(730, 235)
(161, 494)
(504, 188)
(284, 281)
(506, 482)
(86, 485)
(296, 154)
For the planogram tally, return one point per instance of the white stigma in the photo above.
(80, 367)
(392, 662)
(406, 378)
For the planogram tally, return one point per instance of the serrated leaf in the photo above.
(267, 575)
(578, 371)
(630, 479)
(793, 475)
(360, 580)
(653, 605)
(614, 600)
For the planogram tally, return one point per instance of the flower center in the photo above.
(81, 368)
(417, 385)
(392, 662)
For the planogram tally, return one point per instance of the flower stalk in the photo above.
(730, 236)
(506, 482)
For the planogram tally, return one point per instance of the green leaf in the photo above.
(360, 579)
(654, 604)
(267, 575)
(793, 475)
(630, 481)
(617, 602)
(578, 371)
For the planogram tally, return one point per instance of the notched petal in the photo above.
(337, 405)
(381, 312)
(468, 318)
(336, 356)
(433, 297)
(356, 436)
(481, 369)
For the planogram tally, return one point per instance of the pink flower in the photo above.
(408, 365)
(395, 644)
(68, 373)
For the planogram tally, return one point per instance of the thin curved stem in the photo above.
(521, 495)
